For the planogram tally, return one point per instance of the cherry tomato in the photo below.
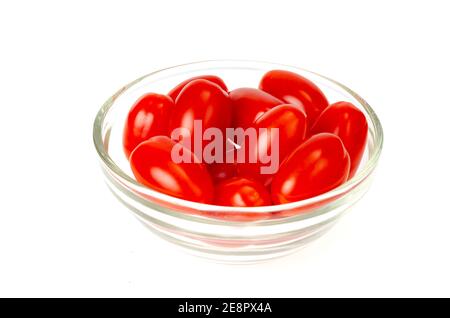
(250, 103)
(348, 123)
(227, 168)
(152, 165)
(241, 192)
(212, 78)
(291, 125)
(148, 117)
(294, 89)
(318, 165)
(222, 171)
(201, 100)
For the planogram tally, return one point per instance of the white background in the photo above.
(63, 234)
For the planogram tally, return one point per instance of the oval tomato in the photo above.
(204, 101)
(348, 123)
(295, 89)
(152, 165)
(318, 165)
(249, 104)
(241, 192)
(212, 78)
(221, 171)
(148, 117)
(290, 123)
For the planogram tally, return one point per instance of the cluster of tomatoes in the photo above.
(320, 145)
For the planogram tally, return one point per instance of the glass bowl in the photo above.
(228, 234)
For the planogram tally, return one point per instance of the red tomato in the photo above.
(294, 89)
(249, 104)
(318, 165)
(221, 171)
(148, 117)
(152, 165)
(348, 123)
(291, 125)
(201, 100)
(241, 192)
(212, 78)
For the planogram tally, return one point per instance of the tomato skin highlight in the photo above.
(152, 165)
(201, 100)
(148, 117)
(295, 89)
(249, 104)
(291, 125)
(241, 192)
(348, 123)
(211, 78)
(318, 165)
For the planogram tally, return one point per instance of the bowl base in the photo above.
(246, 255)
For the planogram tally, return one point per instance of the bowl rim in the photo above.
(363, 173)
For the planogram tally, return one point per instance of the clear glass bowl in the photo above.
(223, 233)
